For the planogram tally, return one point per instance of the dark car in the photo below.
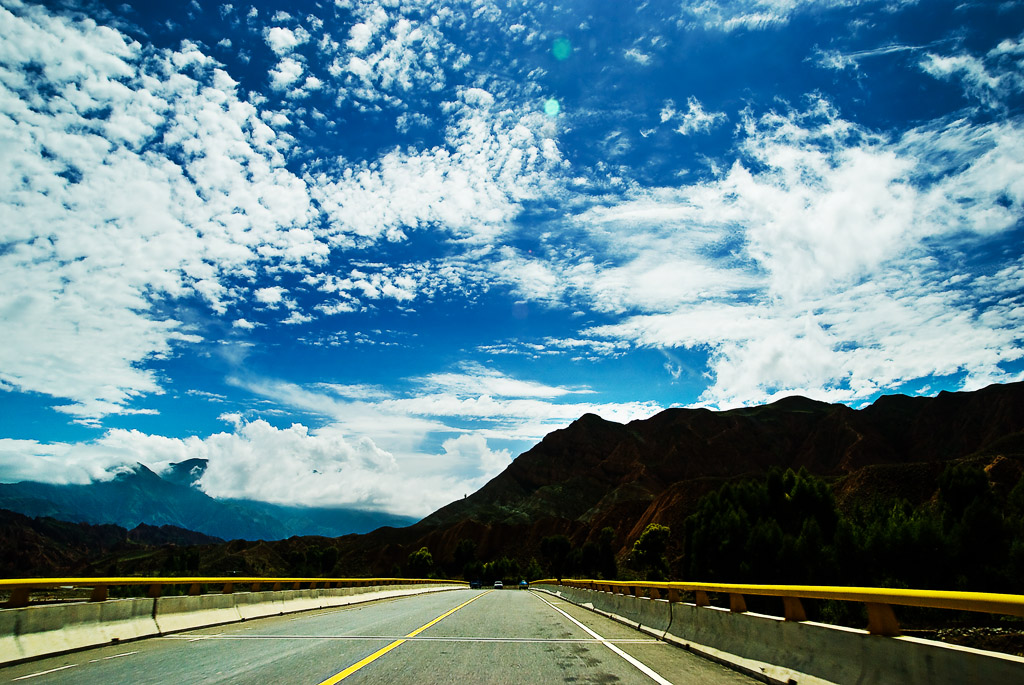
(474, 585)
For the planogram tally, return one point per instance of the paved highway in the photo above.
(463, 636)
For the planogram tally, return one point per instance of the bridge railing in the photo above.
(878, 601)
(21, 589)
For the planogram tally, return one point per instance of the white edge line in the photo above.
(643, 668)
(52, 670)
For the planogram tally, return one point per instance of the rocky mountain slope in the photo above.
(596, 473)
(48, 547)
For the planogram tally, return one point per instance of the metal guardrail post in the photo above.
(882, 620)
(794, 609)
(737, 603)
(99, 593)
(702, 599)
(19, 598)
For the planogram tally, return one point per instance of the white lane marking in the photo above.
(116, 656)
(52, 670)
(201, 637)
(643, 668)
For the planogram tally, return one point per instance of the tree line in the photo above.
(786, 528)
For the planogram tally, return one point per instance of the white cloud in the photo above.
(144, 178)
(732, 15)
(476, 379)
(296, 465)
(808, 266)
(391, 55)
(106, 215)
(287, 72)
(283, 40)
(473, 451)
(470, 188)
(478, 404)
(272, 295)
(361, 34)
(668, 110)
(696, 120)
(840, 61)
(971, 70)
(635, 55)
(991, 78)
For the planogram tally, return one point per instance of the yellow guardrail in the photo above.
(879, 601)
(20, 589)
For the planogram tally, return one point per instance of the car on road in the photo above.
(498, 585)
(523, 585)
(474, 585)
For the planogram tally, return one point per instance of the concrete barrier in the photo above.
(174, 614)
(49, 629)
(778, 651)
(31, 632)
(252, 605)
(653, 615)
(301, 600)
(10, 645)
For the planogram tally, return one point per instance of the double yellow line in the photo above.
(384, 650)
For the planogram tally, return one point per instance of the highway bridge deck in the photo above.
(482, 636)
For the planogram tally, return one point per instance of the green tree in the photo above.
(555, 549)
(474, 570)
(328, 560)
(974, 527)
(420, 564)
(590, 560)
(464, 557)
(778, 530)
(533, 570)
(503, 569)
(648, 553)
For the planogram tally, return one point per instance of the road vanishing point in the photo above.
(462, 636)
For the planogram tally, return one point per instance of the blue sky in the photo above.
(364, 253)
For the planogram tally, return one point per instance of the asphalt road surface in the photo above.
(463, 636)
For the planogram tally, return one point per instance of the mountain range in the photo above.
(596, 474)
(139, 496)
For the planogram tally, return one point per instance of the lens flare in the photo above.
(561, 49)
(551, 107)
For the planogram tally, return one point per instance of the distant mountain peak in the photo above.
(135, 472)
(187, 472)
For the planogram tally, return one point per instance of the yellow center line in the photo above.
(384, 650)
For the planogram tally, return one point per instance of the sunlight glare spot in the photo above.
(561, 49)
